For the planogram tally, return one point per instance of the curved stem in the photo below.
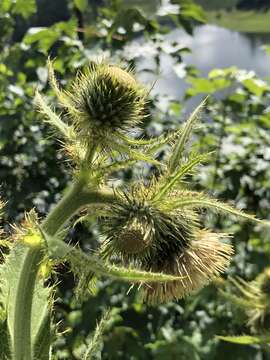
(23, 306)
(76, 198)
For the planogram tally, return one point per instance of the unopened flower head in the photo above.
(107, 98)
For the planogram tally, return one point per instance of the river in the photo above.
(211, 47)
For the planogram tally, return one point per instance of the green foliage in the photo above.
(81, 4)
(19, 7)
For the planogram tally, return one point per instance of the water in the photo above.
(211, 47)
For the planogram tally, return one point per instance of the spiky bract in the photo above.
(107, 99)
(28, 232)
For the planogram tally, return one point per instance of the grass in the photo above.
(242, 21)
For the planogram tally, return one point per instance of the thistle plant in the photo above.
(152, 233)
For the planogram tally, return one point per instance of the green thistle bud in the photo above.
(106, 99)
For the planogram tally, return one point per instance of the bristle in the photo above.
(205, 259)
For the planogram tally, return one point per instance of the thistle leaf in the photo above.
(245, 288)
(2, 204)
(10, 274)
(197, 200)
(52, 117)
(169, 181)
(246, 339)
(134, 275)
(115, 166)
(63, 97)
(132, 154)
(168, 139)
(95, 342)
(82, 263)
(178, 150)
(43, 338)
(137, 142)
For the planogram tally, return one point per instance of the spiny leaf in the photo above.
(246, 289)
(137, 142)
(82, 263)
(115, 166)
(2, 205)
(168, 139)
(132, 154)
(61, 95)
(5, 243)
(196, 200)
(246, 339)
(169, 180)
(96, 340)
(43, 339)
(10, 273)
(178, 150)
(52, 117)
(134, 275)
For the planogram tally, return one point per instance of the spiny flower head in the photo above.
(136, 217)
(107, 98)
(102, 106)
(171, 242)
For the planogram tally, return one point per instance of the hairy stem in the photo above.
(75, 198)
(24, 298)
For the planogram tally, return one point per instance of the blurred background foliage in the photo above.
(150, 37)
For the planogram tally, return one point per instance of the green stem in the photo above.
(23, 306)
(75, 198)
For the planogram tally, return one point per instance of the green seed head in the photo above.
(107, 98)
